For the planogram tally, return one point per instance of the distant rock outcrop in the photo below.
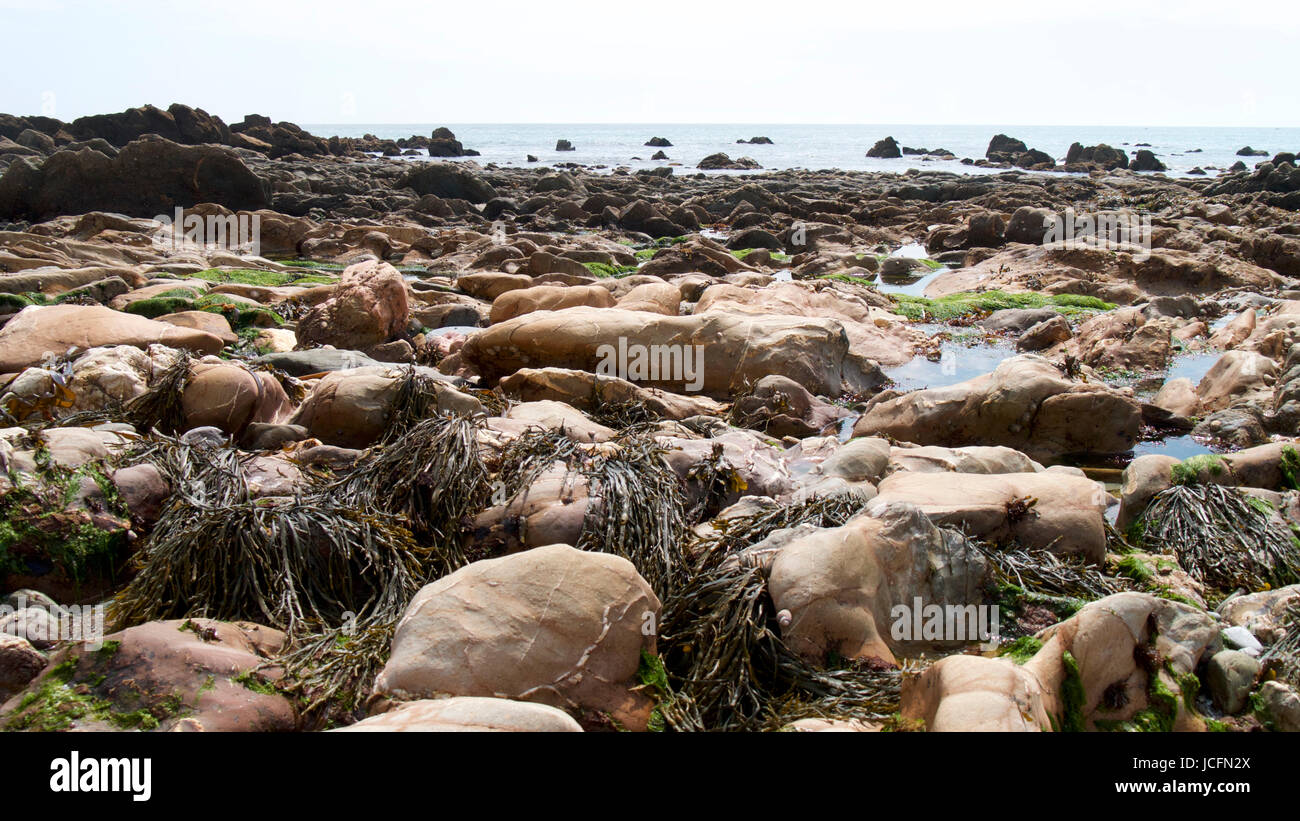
(149, 176)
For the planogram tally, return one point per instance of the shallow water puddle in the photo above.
(1221, 322)
(908, 286)
(1192, 366)
(912, 250)
(965, 357)
(1179, 447)
(452, 329)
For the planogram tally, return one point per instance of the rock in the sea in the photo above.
(1144, 160)
(721, 161)
(885, 149)
(1102, 156)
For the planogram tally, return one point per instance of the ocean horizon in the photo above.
(822, 147)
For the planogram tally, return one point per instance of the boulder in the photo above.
(58, 329)
(841, 586)
(1049, 510)
(206, 321)
(963, 693)
(758, 466)
(315, 361)
(143, 490)
(1045, 334)
(351, 408)
(1144, 477)
(467, 714)
(549, 414)
(1282, 703)
(159, 676)
(1264, 614)
(553, 507)
(1025, 403)
(1017, 320)
(1230, 676)
(858, 460)
(885, 149)
(369, 307)
(103, 377)
(1178, 396)
(552, 625)
(1093, 672)
(712, 353)
(654, 297)
(968, 459)
(589, 392)
(782, 407)
(1236, 331)
(874, 332)
(231, 398)
(1123, 339)
(549, 298)
(20, 662)
(1029, 225)
(149, 176)
(449, 181)
(492, 285)
(1237, 376)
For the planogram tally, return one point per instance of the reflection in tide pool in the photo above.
(957, 363)
(1192, 366)
(1179, 447)
(912, 250)
(908, 286)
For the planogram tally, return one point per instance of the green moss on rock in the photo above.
(971, 305)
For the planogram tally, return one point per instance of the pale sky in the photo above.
(1028, 62)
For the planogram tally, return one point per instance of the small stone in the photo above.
(1230, 676)
(1242, 639)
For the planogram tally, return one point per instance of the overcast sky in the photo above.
(1196, 62)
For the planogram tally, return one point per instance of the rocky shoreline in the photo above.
(462, 447)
